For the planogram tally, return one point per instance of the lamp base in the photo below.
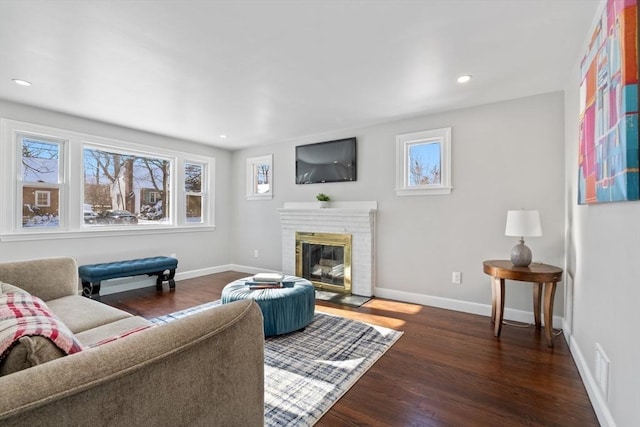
(521, 255)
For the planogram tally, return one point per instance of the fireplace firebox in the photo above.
(325, 260)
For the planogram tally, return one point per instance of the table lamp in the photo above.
(522, 223)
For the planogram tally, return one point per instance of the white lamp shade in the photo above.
(523, 223)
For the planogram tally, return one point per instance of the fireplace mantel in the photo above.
(355, 218)
(335, 207)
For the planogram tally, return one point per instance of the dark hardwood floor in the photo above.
(446, 370)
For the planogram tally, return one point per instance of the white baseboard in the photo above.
(597, 400)
(114, 286)
(250, 270)
(130, 283)
(458, 305)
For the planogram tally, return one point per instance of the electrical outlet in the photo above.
(456, 278)
(256, 254)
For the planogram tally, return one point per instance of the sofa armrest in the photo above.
(204, 369)
(46, 278)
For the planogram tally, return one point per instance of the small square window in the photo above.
(423, 162)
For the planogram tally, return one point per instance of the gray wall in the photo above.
(507, 155)
(196, 250)
(603, 259)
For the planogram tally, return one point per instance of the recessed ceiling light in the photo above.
(464, 79)
(223, 136)
(21, 82)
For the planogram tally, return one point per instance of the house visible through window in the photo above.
(126, 189)
(193, 174)
(56, 180)
(40, 180)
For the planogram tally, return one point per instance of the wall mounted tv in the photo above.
(330, 161)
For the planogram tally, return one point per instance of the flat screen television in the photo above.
(330, 161)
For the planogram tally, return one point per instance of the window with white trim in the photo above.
(194, 192)
(423, 163)
(125, 187)
(61, 181)
(38, 187)
(259, 177)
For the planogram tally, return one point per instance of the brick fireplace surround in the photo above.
(355, 218)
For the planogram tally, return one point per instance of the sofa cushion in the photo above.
(6, 288)
(81, 314)
(30, 334)
(112, 331)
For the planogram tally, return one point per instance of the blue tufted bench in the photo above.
(92, 274)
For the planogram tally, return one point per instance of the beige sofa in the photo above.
(203, 370)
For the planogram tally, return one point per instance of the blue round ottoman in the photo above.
(284, 309)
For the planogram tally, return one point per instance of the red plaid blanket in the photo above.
(24, 315)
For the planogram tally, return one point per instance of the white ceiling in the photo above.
(270, 71)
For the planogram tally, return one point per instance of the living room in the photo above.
(507, 153)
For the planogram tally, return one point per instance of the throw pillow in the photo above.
(28, 352)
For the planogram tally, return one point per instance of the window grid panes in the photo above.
(43, 198)
(40, 181)
(56, 180)
(193, 178)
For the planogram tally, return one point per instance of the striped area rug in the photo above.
(183, 313)
(306, 372)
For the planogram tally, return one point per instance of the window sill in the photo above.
(423, 191)
(259, 196)
(90, 233)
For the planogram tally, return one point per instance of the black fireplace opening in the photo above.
(323, 263)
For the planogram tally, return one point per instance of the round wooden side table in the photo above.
(541, 275)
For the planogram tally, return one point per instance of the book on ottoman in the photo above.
(268, 277)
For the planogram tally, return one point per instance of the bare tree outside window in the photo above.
(40, 160)
(40, 180)
(64, 181)
(424, 161)
(120, 186)
(259, 177)
(193, 189)
(262, 178)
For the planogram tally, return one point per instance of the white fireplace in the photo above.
(354, 218)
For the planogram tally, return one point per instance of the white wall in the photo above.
(603, 257)
(507, 155)
(195, 250)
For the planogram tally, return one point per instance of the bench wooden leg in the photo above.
(91, 289)
(162, 277)
(169, 277)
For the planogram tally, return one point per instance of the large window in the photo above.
(125, 188)
(60, 181)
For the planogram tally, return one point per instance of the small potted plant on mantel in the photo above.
(323, 199)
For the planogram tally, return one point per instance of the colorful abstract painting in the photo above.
(609, 157)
